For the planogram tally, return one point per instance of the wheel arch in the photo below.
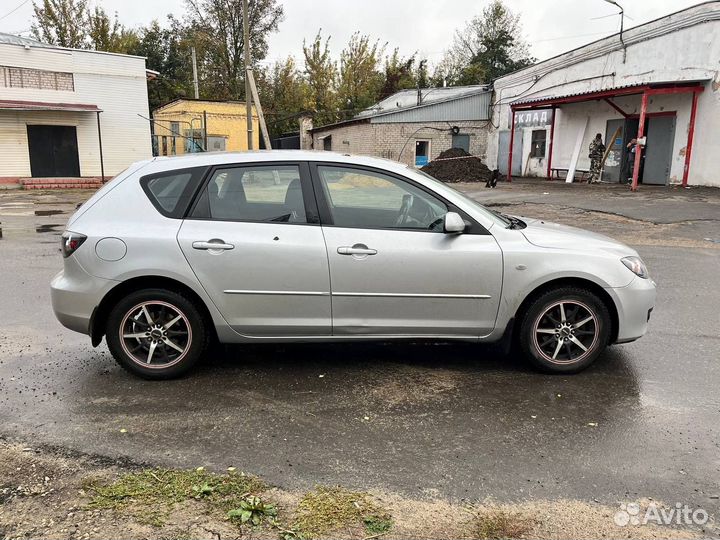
(99, 317)
(582, 283)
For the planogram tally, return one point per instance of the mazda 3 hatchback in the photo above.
(293, 246)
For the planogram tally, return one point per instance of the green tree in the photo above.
(216, 29)
(61, 22)
(321, 75)
(360, 77)
(284, 94)
(490, 46)
(168, 54)
(106, 34)
(399, 74)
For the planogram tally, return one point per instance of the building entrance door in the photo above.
(614, 163)
(53, 151)
(658, 151)
(504, 151)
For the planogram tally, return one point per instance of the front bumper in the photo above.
(75, 294)
(634, 303)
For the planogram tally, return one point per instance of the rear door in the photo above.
(255, 243)
(393, 270)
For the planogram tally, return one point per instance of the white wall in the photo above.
(680, 47)
(115, 83)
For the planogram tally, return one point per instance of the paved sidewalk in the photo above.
(655, 204)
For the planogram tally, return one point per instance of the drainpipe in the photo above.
(102, 164)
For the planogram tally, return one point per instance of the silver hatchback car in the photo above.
(292, 246)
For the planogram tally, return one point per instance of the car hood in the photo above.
(556, 236)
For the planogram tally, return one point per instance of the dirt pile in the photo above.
(456, 165)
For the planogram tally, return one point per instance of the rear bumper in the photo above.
(634, 303)
(75, 294)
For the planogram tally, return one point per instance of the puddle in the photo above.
(51, 228)
(48, 212)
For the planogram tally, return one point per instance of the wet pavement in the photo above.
(446, 420)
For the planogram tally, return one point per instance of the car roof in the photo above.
(205, 159)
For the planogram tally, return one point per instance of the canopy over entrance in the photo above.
(644, 90)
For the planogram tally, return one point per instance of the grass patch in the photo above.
(329, 509)
(151, 494)
(498, 524)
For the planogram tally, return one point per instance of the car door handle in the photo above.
(212, 244)
(357, 249)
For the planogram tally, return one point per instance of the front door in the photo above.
(53, 151)
(255, 244)
(393, 271)
(658, 151)
(504, 151)
(614, 136)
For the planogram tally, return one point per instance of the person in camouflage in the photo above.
(597, 150)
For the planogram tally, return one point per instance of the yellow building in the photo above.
(180, 127)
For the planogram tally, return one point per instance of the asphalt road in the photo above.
(455, 421)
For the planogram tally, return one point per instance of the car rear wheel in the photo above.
(565, 330)
(156, 333)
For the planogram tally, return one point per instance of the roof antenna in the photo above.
(622, 24)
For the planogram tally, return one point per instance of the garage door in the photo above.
(53, 151)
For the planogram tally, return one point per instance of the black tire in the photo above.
(571, 347)
(189, 335)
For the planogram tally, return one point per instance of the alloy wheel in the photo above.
(155, 334)
(566, 332)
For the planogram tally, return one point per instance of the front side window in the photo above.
(370, 200)
(263, 193)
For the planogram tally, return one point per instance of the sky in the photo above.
(423, 26)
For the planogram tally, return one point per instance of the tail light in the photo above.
(71, 242)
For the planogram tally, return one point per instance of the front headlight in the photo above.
(636, 266)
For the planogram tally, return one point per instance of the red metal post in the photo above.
(512, 141)
(550, 148)
(638, 147)
(691, 133)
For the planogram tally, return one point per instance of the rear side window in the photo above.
(171, 192)
(254, 193)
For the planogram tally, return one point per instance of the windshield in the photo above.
(491, 214)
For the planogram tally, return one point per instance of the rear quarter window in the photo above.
(172, 191)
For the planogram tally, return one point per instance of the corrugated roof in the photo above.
(10, 39)
(628, 89)
(407, 99)
(547, 97)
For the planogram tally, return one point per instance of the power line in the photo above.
(14, 9)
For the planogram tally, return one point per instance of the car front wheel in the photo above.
(156, 333)
(565, 330)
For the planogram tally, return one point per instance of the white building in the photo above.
(670, 64)
(69, 113)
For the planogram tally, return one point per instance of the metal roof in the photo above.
(14, 105)
(10, 39)
(626, 90)
(408, 99)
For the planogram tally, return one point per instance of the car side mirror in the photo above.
(453, 223)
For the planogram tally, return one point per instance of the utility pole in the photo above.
(248, 68)
(195, 77)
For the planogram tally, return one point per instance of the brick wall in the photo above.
(389, 140)
(17, 77)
